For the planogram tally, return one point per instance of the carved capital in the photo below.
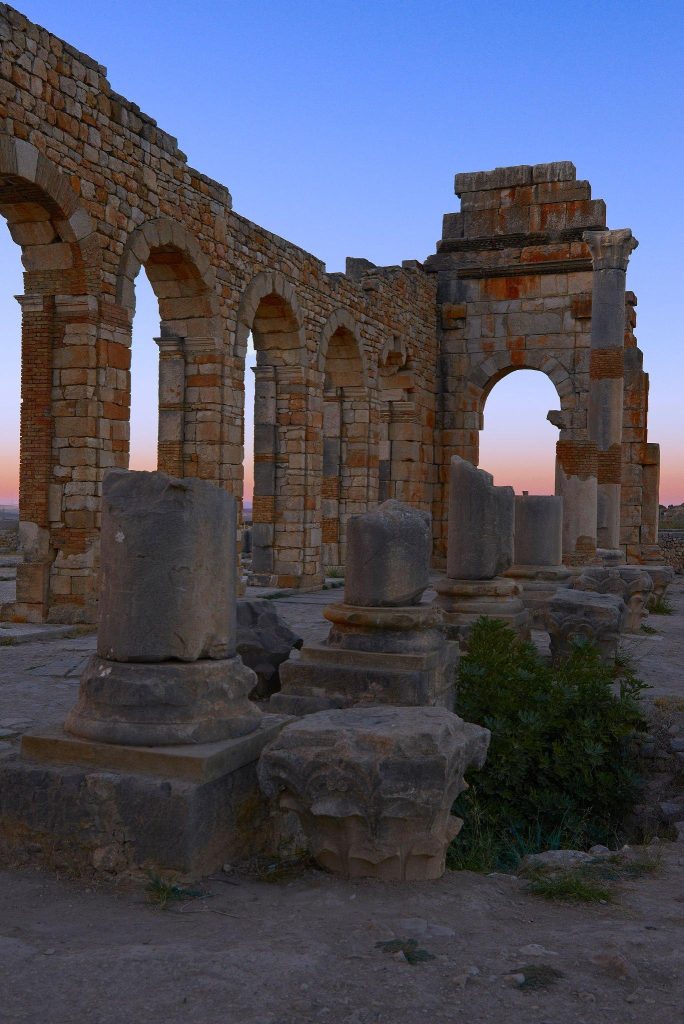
(170, 345)
(610, 250)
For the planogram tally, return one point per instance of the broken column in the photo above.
(610, 251)
(384, 646)
(480, 549)
(373, 787)
(166, 669)
(538, 552)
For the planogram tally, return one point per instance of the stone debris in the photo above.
(581, 614)
(373, 787)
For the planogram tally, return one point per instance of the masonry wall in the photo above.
(367, 382)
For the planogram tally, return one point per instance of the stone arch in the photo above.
(487, 374)
(281, 323)
(269, 309)
(191, 345)
(61, 259)
(342, 324)
(346, 423)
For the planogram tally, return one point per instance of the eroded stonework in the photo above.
(367, 382)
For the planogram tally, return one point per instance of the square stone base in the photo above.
(85, 807)
(324, 677)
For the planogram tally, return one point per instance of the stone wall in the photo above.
(366, 382)
(672, 544)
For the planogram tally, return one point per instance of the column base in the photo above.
(463, 602)
(539, 584)
(89, 807)
(373, 656)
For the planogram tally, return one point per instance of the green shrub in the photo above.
(562, 768)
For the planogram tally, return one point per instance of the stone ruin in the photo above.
(370, 392)
(367, 382)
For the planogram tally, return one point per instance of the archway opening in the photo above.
(144, 408)
(517, 442)
(10, 407)
(278, 443)
(345, 433)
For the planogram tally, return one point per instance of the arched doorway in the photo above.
(344, 484)
(269, 312)
(10, 406)
(517, 442)
(58, 423)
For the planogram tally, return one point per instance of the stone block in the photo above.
(373, 787)
(463, 602)
(388, 556)
(538, 538)
(168, 569)
(630, 582)
(582, 615)
(480, 525)
(264, 642)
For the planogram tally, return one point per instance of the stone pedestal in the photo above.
(462, 602)
(630, 582)
(661, 576)
(372, 656)
(373, 787)
(577, 614)
(103, 808)
(539, 583)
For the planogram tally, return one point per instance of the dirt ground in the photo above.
(305, 950)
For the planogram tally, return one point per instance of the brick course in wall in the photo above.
(366, 382)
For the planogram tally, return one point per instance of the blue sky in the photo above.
(340, 125)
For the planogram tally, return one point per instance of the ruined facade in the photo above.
(366, 382)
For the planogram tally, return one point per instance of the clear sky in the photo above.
(339, 124)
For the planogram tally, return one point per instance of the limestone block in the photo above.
(574, 614)
(630, 582)
(463, 602)
(264, 642)
(373, 787)
(480, 527)
(168, 569)
(388, 556)
(538, 530)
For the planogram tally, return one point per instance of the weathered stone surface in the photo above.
(661, 576)
(160, 704)
(388, 556)
(264, 642)
(575, 614)
(462, 602)
(480, 544)
(374, 787)
(630, 582)
(539, 584)
(168, 569)
(119, 810)
(372, 656)
(538, 536)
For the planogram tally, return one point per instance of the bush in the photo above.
(562, 765)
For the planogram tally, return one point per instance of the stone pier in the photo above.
(538, 552)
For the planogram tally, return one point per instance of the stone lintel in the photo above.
(194, 763)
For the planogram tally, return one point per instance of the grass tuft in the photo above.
(661, 606)
(645, 628)
(538, 976)
(570, 887)
(162, 892)
(409, 947)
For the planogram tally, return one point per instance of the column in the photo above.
(171, 405)
(610, 252)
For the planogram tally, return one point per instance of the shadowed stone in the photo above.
(168, 571)
(538, 530)
(630, 582)
(264, 642)
(388, 556)
(578, 614)
(480, 539)
(373, 787)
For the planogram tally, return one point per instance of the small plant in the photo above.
(661, 606)
(645, 628)
(562, 766)
(162, 892)
(334, 572)
(410, 949)
(570, 887)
